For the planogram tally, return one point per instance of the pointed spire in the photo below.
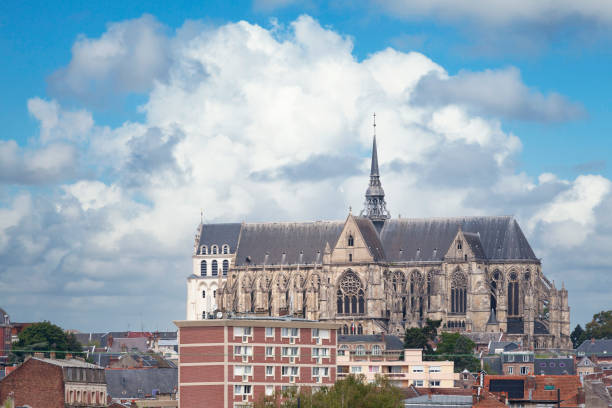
(375, 205)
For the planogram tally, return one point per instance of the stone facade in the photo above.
(374, 274)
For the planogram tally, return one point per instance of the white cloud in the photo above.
(245, 126)
(500, 93)
(57, 123)
(128, 57)
(496, 12)
(46, 164)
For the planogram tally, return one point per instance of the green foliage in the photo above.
(351, 392)
(600, 327)
(45, 337)
(578, 336)
(460, 349)
(417, 338)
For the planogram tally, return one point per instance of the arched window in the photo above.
(430, 283)
(513, 294)
(203, 268)
(203, 250)
(225, 267)
(459, 245)
(215, 249)
(458, 292)
(417, 294)
(345, 329)
(495, 285)
(215, 268)
(350, 294)
(351, 241)
(203, 294)
(376, 350)
(360, 329)
(360, 350)
(226, 249)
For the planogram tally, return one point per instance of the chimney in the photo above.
(52, 355)
(68, 356)
(39, 355)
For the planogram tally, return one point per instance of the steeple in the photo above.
(375, 205)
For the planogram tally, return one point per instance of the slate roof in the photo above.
(400, 239)
(554, 366)
(598, 347)
(494, 362)
(436, 400)
(129, 344)
(220, 234)
(370, 236)
(391, 342)
(293, 239)
(504, 345)
(501, 238)
(483, 337)
(138, 383)
(73, 362)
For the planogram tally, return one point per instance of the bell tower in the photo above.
(375, 207)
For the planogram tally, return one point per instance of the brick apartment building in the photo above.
(5, 336)
(231, 363)
(50, 383)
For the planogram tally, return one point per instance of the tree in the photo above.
(45, 337)
(600, 327)
(419, 338)
(459, 349)
(578, 336)
(351, 392)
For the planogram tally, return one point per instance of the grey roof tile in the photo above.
(138, 383)
(370, 236)
(601, 346)
(554, 366)
(220, 234)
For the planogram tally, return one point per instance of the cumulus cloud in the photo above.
(267, 125)
(499, 12)
(128, 57)
(59, 124)
(52, 163)
(499, 93)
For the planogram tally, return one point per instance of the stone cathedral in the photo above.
(372, 273)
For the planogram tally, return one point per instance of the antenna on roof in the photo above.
(201, 216)
(374, 125)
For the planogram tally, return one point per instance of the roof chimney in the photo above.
(592, 340)
(52, 355)
(39, 355)
(68, 356)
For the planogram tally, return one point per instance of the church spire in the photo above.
(375, 205)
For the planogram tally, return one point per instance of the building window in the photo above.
(510, 370)
(359, 329)
(215, 268)
(269, 351)
(290, 370)
(526, 357)
(242, 389)
(435, 383)
(203, 294)
(226, 249)
(458, 292)
(215, 250)
(225, 267)
(345, 329)
(417, 369)
(215, 293)
(269, 390)
(417, 383)
(350, 295)
(513, 295)
(376, 350)
(290, 332)
(355, 369)
(510, 358)
(350, 257)
(360, 350)
(203, 268)
(434, 369)
(351, 241)
(524, 370)
(203, 250)
(269, 371)
(269, 331)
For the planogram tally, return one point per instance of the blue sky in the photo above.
(92, 151)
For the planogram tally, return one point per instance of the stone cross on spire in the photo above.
(375, 207)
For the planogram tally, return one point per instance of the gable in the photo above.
(358, 242)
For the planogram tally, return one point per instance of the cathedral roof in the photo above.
(371, 238)
(220, 234)
(428, 239)
(301, 242)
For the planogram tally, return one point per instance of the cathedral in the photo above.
(376, 274)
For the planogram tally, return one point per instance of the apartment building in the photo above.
(231, 363)
(402, 373)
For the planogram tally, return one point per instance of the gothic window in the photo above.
(350, 295)
(215, 268)
(203, 268)
(459, 245)
(398, 281)
(430, 283)
(226, 249)
(215, 249)
(513, 294)
(351, 241)
(495, 282)
(203, 294)
(203, 250)
(458, 292)
(360, 329)
(225, 267)
(416, 292)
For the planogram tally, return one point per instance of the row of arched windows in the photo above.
(352, 329)
(214, 249)
(214, 268)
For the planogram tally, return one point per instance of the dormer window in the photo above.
(215, 249)
(203, 250)
(351, 241)
(226, 249)
(459, 245)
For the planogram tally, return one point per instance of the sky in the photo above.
(122, 121)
